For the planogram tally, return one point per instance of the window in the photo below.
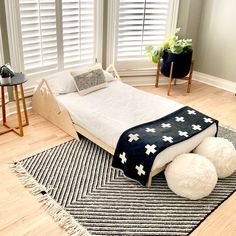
(78, 32)
(140, 23)
(39, 35)
(53, 34)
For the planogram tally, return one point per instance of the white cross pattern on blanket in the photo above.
(123, 158)
(208, 120)
(192, 112)
(179, 119)
(165, 125)
(183, 133)
(152, 130)
(140, 169)
(167, 139)
(133, 137)
(196, 127)
(150, 149)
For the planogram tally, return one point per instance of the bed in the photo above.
(102, 116)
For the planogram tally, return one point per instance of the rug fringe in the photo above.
(64, 219)
(227, 127)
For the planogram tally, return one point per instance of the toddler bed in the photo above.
(103, 115)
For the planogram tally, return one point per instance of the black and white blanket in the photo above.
(138, 147)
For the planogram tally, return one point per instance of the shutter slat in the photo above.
(140, 23)
(40, 34)
(78, 32)
(39, 39)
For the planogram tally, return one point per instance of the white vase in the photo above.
(6, 80)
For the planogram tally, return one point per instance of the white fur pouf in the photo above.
(191, 176)
(221, 153)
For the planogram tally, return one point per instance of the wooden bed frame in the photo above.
(45, 104)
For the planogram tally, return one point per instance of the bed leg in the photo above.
(149, 183)
(153, 173)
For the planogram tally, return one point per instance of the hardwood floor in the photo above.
(215, 102)
(21, 214)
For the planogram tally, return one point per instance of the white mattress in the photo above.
(108, 112)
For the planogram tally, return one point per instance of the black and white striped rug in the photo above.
(102, 200)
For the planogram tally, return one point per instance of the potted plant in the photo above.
(6, 79)
(171, 50)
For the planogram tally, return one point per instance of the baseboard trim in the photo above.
(11, 107)
(28, 92)
(197, 76)
(215, 81)
(6, 98)
(147, 80)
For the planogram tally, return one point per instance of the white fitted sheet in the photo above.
(108, 112)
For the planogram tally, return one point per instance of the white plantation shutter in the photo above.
(57, 34)
(141, 22)
(39, 34)
(78, 32)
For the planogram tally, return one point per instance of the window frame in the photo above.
(133, 67)
(2, 60)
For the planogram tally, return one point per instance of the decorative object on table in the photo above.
(7, 66)
(5, 76)
(91, 191)
(176, 55)
(191, 176)
(17, 80)
(6, 73)
(221, 153)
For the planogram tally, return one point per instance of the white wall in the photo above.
(216, 42)
(189, 19)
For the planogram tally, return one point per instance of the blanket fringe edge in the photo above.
(64, 219)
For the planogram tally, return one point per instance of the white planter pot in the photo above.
(6, 80)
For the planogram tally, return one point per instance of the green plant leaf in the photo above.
(155, 59)
(177, 30)
(148, 54)
(172, 44)
(149, 48)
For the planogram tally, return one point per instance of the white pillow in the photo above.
(108, 76)
(89, 81)
(61, 82)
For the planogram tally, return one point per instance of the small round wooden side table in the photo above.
(16, 81)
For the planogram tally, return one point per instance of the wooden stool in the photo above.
(188, 77)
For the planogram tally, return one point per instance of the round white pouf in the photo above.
(191, 176)
(221, 153)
